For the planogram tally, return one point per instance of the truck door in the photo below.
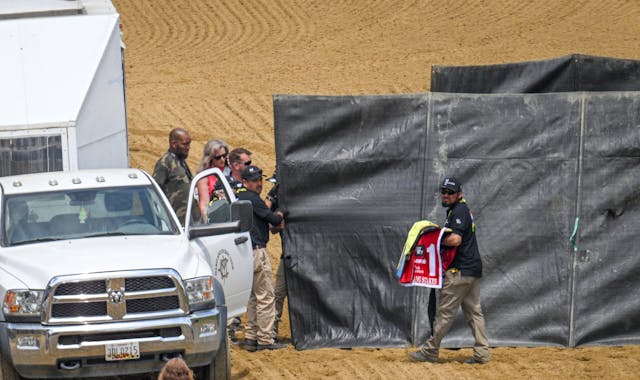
(227, 251)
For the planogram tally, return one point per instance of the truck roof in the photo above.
(72, 180)
(12, 9)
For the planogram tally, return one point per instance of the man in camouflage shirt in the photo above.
(172, 172)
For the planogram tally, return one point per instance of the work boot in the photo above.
(474, 361)
(250, 345)
(419, 356)
(232, 337)
(233, 327)
(272, 346)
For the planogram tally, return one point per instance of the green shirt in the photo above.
(174, 177)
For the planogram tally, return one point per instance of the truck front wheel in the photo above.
(220, 369)
(7, 372)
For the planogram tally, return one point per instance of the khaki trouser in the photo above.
(280, 293)
(458, 290)
(261, 308)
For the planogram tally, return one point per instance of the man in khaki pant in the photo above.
(461, 282)
(261, 308)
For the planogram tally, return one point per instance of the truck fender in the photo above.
(218, 293)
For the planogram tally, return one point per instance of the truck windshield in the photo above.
(77, 214)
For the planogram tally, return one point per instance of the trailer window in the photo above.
(26, 155)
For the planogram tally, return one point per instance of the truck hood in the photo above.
(35, 264)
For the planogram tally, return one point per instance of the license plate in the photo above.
(122, 351)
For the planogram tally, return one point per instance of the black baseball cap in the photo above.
(251, 173)
(452, 184)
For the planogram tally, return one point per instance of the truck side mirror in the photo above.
(242, 211)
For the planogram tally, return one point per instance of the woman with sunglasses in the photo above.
(214, 156)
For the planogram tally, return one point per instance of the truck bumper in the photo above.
(79, 350)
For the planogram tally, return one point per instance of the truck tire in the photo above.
(220, 369)
(7, 372)
(222, 363)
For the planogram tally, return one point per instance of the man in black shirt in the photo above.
(261, 308)
(461, 283)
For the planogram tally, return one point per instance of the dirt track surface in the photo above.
(212, 68)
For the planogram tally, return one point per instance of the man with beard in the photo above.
(172, 172)
(261, 308)
(461, 283)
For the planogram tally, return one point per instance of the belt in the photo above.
(257, 246)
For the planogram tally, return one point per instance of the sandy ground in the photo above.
(213, 66)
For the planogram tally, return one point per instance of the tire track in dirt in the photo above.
(258, 118)
(170, 27)
(381, 12)
(299, 25)
(137, 27)
(239, 114)
(160, 30)
(233, 30)
(267, 25)
(247, 27)
(270, 21)
(184, 26)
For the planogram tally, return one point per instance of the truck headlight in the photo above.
(200, 293)
(22, 304)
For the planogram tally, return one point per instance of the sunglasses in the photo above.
(220, 156)
(447, 191)
(247, 163)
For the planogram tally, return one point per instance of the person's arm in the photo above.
(203, 198)
(263, 212)
(459, 221)
(452, 240)
(160, 173)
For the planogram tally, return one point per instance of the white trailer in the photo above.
(62, 92)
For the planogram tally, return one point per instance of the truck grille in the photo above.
(70, 310)
(114, 296)
(84, 287)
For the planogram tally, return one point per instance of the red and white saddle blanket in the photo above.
(422, 262)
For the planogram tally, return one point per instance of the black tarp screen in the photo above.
(357, 171)
(565, 74)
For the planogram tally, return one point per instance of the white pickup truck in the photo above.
(98, 277)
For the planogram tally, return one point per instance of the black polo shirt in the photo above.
(262, 217)
(460, 220)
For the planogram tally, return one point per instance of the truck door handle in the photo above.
(240, 239)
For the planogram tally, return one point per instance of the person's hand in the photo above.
(279, 227)
(275, 229)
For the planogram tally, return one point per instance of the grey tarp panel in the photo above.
(564, 74)
(607, 310)
(343, 166)
(358, 171)
(514, 154)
